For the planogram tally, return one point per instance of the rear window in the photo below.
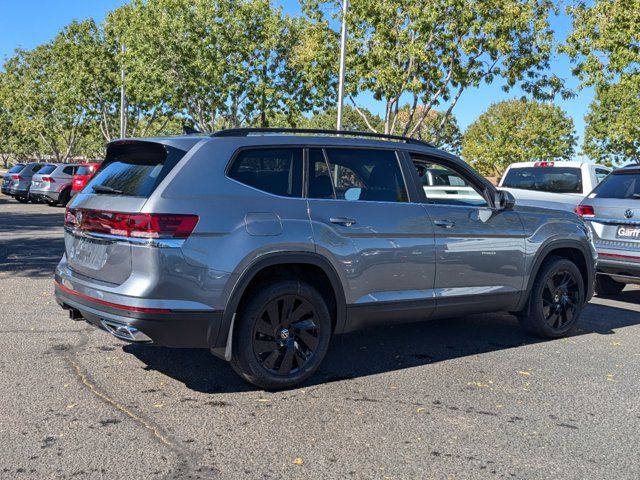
(545, 179)
(134, 169)
(47, 169)
(619, 185)
(272, 170)
(16, 168)
(84, 170)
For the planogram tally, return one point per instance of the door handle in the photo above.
(444, 223)
(347, 222)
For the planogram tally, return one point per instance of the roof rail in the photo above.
(244, 132)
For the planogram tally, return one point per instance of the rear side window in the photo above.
(545, 179)
(47, 169)
(134, 169)
(356, 174)
(16, 168)
(37, 168)
(84, 170)
(273, 170)
(619, 185)
(69, 170)
(601, 173)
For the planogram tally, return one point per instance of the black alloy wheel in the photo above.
(281, 334)
(555, 299)
(285, 336)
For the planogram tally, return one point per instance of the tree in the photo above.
(612, 134)
(437, 127)
(605, 48)
(351, 120)
(226, 62)
(429, 53)
(518, 131)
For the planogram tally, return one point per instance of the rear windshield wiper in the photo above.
(105, 189)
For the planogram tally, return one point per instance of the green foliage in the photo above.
(612, 135)
(518, 131)
(437, 127)
(351, 120)
(430, 52)
(605, 47)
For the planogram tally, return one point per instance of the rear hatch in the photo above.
(104, 220)
(613, 209)
(42, 179)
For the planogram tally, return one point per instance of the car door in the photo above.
(480, 250)
(379, 240)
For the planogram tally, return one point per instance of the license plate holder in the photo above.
(91, 255)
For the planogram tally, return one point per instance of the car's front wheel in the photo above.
(556, 299)
(281, 334)
(607, 286)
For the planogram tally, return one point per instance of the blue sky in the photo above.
(27, 23)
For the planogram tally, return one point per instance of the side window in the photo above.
(36, 168)
(69, 170)
(272, 170)
(601, 173)
(445, 186)
(356, 174)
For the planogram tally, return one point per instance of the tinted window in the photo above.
(37, 168)
(16, 168)
(601, 173)
(619, 185)
(69, 170)
(272, 170)
(135, 169)
(84, 170)
(47, 169)
(545, 179)
(446, 187)
(356, 174)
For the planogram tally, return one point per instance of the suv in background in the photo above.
(260, 246)
(52, 184)
(560, 185)
(612, 211)
(6, 178)
(83, 175)
(20, 183)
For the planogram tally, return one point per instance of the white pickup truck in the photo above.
(559, 185)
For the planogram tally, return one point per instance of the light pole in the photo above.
(123, 99)
(343, 52)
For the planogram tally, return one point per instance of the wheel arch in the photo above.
(572, 250)
(281, 263)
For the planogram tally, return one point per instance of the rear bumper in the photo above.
(46, 195)
(626, 270)
(162, 327)
(18, 192)
(6, 190)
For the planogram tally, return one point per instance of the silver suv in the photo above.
(260, 244)
(613, 212)
(52, 184)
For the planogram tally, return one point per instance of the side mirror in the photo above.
(504, 200)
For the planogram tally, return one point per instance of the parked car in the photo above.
(20, 184)
(560, 185)
(612, 211)
(261, 247)
(52, 184)
(83, 175)
(6, 178)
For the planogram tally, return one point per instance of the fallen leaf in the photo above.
(525, 373)
(263, 400)
(418, 410)
(71, 405)
(298, 461)
(615, 344)
(158, 405)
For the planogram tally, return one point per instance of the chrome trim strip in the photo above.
(611, 221)
(142, 242)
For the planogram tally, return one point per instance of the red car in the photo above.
(82, 176)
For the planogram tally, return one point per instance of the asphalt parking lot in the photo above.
(463, 398)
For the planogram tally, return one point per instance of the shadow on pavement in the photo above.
(384, 349)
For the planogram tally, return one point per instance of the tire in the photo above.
(556, 299)
(274, 350)
(22, 199)
(64, 197)
(607, 286)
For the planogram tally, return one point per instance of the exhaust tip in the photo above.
(125, 332)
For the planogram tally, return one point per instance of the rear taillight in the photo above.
(16, 177)
(134, 225)
(543, 164)
(585, 211)
(48, 180)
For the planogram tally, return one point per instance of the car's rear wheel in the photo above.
(22, 199)
(607, 286)
(556, 299)
(281, 335)
(64, 198)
